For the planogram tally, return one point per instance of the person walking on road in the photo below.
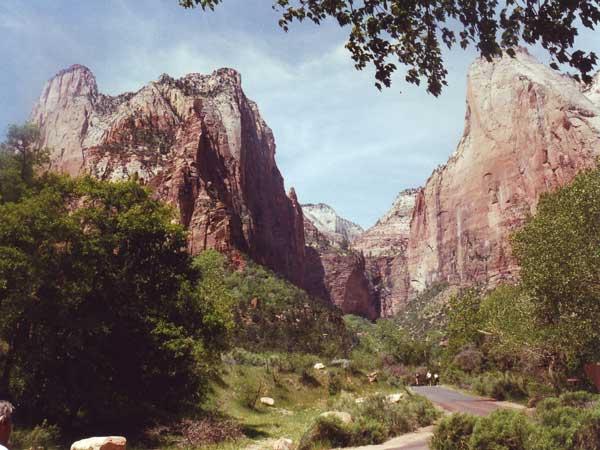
(436, 379)
(429, 378)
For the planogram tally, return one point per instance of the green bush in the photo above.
(245, 358)
(503, 429)
(297, 362)
(453, 432)
(335, 383)
(251, 391)
(99, 302)
(43, 436)
(374, 420)
(588, 435)
(326, 432)
(570, 422)
(366, 430)
(469, 360)
(274, 315)
(501, 386)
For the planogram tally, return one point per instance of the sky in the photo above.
(339, 140)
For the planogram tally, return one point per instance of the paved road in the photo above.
(455, 401)
(446, 398)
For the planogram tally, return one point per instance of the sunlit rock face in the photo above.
(328, 222)
(528, 130)
(198, 142)
(389, 236)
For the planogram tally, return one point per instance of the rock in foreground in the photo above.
(101, 443)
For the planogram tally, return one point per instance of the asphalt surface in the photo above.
(449, 400)
(455, 401)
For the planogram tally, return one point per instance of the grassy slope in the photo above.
(296, 404)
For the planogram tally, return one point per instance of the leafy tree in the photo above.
(414, 32)
(100, 315)
(20, 157)
(559, 253)
(464, 321)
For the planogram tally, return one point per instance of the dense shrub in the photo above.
(569, 422)
(501, 386)
(245, 358)
(251, 391)
(503, 429)
(374, 421)
(326, 432)
(42, 436)
(335, 383)
(469, 360)
(453, 432)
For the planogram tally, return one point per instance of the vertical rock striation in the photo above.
(198, 142)
(528, 130)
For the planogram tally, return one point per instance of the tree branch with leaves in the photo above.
(412, 33)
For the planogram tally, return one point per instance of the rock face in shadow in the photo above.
(338, 274)
(528, 130)
(198, 142)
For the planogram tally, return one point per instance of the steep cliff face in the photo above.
(528, 130)
(198, 142)
(389, 236)
(328, 222)
(337, 273)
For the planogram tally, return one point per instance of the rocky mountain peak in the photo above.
(337, 229)
(197, 141)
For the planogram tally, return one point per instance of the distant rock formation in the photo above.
(338, 273)
(337, 229)
(198, 142)
(389, 236)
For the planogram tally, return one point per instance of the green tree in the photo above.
(414, 32)
(464, 321)
(559, 253)
(20, 157)
(100, 318)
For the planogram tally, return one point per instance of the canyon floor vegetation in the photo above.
(109, 325)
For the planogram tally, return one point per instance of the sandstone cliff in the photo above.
(389, 236)
(528, 130)
(198, 142)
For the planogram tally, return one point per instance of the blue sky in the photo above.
(339, 140)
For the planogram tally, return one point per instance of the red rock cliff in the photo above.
(198, 142)
(528, 130)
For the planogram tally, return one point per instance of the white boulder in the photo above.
(101, 443)
(267, 401)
